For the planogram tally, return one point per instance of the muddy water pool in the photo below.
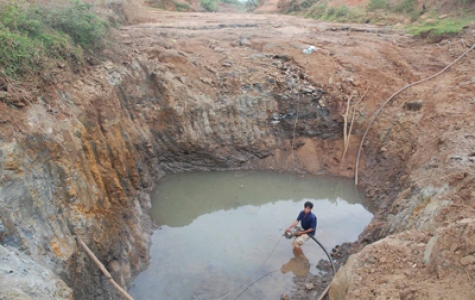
(216, 228)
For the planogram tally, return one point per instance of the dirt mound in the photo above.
(269, 6)
(130, 11)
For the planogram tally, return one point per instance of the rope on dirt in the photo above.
(249, 278)
(392, 97)
(103, 269)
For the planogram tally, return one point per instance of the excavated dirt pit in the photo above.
(217, 228)
(191, 91)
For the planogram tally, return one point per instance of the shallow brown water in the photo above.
(216, 228)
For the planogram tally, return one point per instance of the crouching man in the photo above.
(308, 222)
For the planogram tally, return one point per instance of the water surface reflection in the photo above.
(216, 228)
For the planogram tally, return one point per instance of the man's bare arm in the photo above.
(295, 223)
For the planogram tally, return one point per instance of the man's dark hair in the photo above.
(308, 204)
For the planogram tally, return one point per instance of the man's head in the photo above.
(307, 207)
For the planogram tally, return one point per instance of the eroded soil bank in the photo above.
(222, 91)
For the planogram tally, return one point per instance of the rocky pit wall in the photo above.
(81, 158)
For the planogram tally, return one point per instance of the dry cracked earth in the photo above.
(195, 91)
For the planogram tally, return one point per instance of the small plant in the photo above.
(80, 23)
(182, 6)
(341, 11)
(338, 13)
(304, 4)
(377, 4)
(231, 2)
(406, 6)
(416, 14)
(440, 28)
(317, 11)
(209, 5)
(329, 14)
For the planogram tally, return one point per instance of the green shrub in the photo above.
(406, 6)
(182, 6)
(231, 2)
(209, 5)
(416, 14)
(80, 23)
(299, 5)
(304, 4)
(377, 4)
(357, 14)
(317, 11)
(18, 54)
(338, 13)
(330, 13)
(341, 11)
(31, 35)
(441, 28)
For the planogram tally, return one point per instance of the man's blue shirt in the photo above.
(308, 221)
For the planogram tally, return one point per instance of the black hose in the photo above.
(324, 250)
(252, 283)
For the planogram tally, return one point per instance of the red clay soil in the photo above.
(419, 159)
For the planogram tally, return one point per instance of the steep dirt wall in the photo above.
(81, 160)
(67, 174)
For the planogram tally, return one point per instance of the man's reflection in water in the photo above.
(299, 265)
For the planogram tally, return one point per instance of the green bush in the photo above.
(209, 5)
(415, 15)
(231, 1)
(80, 23)
(338, 13)
(32, 35)
(304, 4)
(406, 6)
(17, 53)
(341, 11)
(317, 11)
(377, 4)
(299, 5)
(182, 6)
(441, 28)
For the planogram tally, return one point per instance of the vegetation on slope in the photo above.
(209, 5)
(418, 20)
(175, 5)
(33, 37)
(439, 28)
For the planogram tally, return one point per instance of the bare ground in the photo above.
(419, 159)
